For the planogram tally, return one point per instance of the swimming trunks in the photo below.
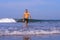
(25, 20)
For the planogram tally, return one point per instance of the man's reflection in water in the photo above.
(26, 38)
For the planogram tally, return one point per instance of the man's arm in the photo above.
(23, 17)
(30, 16)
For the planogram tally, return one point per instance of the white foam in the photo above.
(7, 20)
(31, 32)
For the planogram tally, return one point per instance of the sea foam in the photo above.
(7, 20)
(30, 32)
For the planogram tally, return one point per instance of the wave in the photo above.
(10, 20)
(30, 32)
(37, 20)
(7, 20)
(29, 20)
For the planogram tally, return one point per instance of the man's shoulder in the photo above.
(27, 13)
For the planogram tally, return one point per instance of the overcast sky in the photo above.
(39, 9)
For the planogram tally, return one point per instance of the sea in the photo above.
(41, 30)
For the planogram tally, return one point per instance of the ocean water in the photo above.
(43, 30)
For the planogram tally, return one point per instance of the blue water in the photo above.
(52, 25)
(54, 37)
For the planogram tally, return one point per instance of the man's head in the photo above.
(26, 10)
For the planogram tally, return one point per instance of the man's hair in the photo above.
(26, 10)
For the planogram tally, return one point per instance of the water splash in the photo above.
(7, 20)
(28, 32)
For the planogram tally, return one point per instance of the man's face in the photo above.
(26, 11)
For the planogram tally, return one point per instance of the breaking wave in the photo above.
(7, 20)
(29, 32)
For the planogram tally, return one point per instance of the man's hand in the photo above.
(23, 20)
(30, 16)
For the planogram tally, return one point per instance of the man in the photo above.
(26, 17)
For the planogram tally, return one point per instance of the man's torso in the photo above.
(26, 15)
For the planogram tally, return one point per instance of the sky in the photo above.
(39, 9)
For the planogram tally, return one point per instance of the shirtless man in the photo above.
(26, 17)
